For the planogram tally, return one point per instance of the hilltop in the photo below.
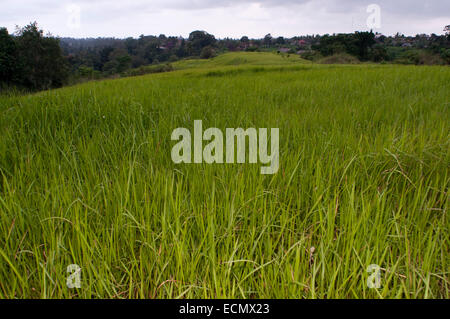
(240, 59)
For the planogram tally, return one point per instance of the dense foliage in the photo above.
(32, 60)
(368, 46)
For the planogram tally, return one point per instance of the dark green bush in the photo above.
(160, 68)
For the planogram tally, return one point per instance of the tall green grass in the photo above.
(86, 178)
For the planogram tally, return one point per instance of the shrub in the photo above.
(311, 55)
(252, 49)
(445, 55)
(420, 57)
(149, 69)
(207, 53)
(340, 58)
(379, 53)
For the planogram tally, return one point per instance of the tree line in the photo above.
(368, 46)
(32, 60)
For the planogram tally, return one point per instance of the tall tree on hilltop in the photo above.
(40, 59)
(8, 57)
(199, 40)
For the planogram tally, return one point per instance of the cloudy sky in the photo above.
(225, 18)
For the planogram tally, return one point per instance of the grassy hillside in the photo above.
(242, 59)
(86, 178)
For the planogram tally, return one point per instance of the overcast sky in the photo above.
(224, 18)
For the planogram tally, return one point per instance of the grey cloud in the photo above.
(436, 8)
(430, 8)
(101, 16)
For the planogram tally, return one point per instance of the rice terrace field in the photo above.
(86, 178)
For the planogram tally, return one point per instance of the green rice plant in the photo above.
(86, 178)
